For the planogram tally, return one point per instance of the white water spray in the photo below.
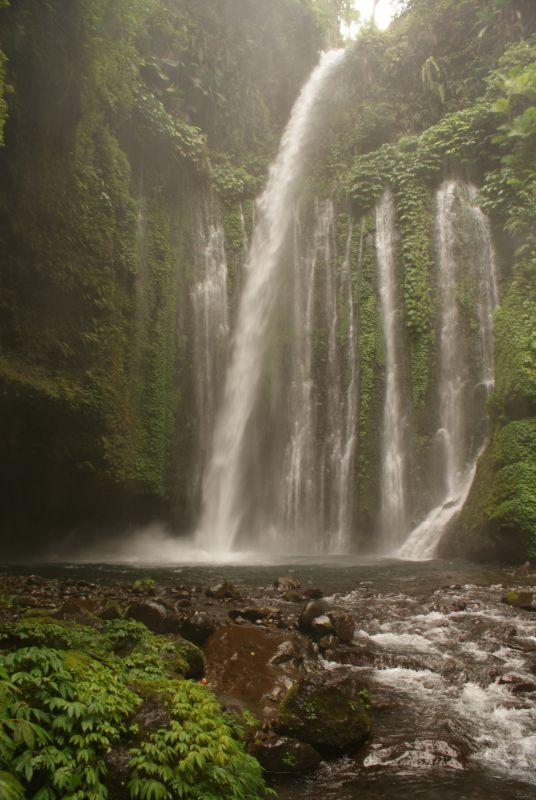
(223, 494)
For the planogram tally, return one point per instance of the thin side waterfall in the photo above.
(393, 512)
(342, 400)
(224, 491)
(211, 325)
(462, 406)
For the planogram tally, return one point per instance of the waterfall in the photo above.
(457, 214)
(225, 490)
(211, 325)
(393, 513)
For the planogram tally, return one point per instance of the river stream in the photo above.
(451, 667)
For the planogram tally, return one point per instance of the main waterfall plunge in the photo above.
(285, 471)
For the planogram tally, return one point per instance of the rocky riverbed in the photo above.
(371, 680)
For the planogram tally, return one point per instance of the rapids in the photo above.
(452, 671)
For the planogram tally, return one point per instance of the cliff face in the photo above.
(137, 135)
(127, 122)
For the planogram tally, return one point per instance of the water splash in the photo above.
(224, 486)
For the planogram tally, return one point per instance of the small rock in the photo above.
(154, 616)
(281, 754)
(197, 627)
(293, 597)
(312, 611)
(518, 683)
(285, 652)
(313, 594)
(287, 583)
(251, 613)
(322, 626)
(222, 590)
(344, 625)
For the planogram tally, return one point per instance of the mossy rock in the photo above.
(524, 600)
(328, 709)
(282, 755)
(191, 658)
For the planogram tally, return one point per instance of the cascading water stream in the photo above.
(393, 512)
(456, 206)
(211, 325)
(223, 494)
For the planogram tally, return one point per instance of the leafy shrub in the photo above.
(64, 708)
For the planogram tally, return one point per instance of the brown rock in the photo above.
(155, 616)
(329, 709)
(287, 583)
(251, 667)
(223, 590)
(281, 754)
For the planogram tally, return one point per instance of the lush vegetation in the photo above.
(129, 125)
(72, 696)
(122, 117)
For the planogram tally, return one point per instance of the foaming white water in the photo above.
(456, 208)
(393, 469)
(423, 541)
(456, 666)
(504, 728)
(223, 491)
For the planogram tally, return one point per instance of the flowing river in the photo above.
(452, 671)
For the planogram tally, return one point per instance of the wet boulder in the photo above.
(81, 610)
(111, 610)
(328, 709)
(313, 611)
(185, 658)
(312, 593)
(222, 591)
(197, 627)
(154, 616)
(418, 755)
(252, 668)
(293, 597)
(287, 583)
(518, 684)
(523, 600)
(344, 626)
(283, 755)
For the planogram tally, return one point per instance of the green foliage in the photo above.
(144, 585)
(63, 709)
(197, 756)
(371, 366)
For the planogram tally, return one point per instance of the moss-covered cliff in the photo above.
(122, 120)
(129, 127)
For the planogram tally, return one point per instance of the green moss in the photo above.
(371, 369)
